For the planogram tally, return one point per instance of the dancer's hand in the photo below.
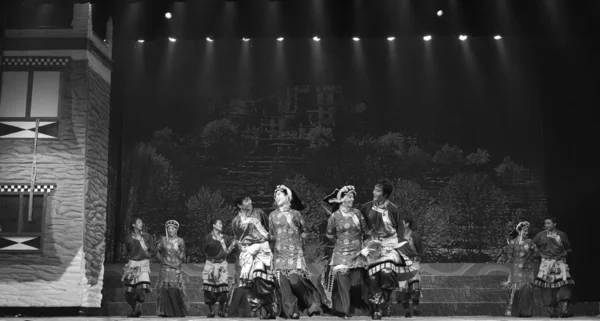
(365, 252)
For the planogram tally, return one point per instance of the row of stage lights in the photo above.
(425, 38)
(439, 13)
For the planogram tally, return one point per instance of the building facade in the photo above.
(55, 81)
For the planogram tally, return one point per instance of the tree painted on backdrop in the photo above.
(430, 220)
(220, 139)
(202, 207)
(150, 190)
(476, 211)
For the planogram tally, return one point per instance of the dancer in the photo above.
(215, 277)
(287, 227)
(553, 277)
(170, 252)
(411, 289)
(136, 276)
(520, 252)
(345, 278)
(388, 263)
(256, 275)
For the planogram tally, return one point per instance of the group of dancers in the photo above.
(548, 251)
(376, 252)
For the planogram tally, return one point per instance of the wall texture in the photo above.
(96, 165)
(51, 279)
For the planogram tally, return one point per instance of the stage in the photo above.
(328, 318)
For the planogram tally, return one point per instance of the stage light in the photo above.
(440, 13)
(462, 37)
(498, 37)
(168, 15)
(172, 39)
(315, 38)
(209, 39)
(427, 38)
(280, 39)
(141, 40)
(391, 38)
(356, 39)
(245, 39)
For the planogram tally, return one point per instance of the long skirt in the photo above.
(349, 291)
(521, 302)
(297, 293)
(171, 293)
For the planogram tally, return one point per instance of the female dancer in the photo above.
(136, 276)
(345, 278)
(520, 252)
(287, 227)
(171, 287)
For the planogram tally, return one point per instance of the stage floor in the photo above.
(327, 318)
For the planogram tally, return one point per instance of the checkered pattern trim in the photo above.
(389, 265)
(141, 285)
(215, 288)
(269, 277)
(35, 61)
(16, 188)
(559, 283)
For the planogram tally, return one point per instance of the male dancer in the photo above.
(387, 263)
(553, 276)
(287, 227)
(136, 277)
(256, 275)
(411, 289)
(215, 277)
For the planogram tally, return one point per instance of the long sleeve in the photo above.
(301, 225)
(150, 242)
(566, 242)
(363, 223)
(272, 229)
(399, 221)
(510, 252)
(159, 249)
(235, 227)
(182, 250)
(331, 228)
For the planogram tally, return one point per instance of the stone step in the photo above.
(428, 309)
(113, 280)
(460, 295)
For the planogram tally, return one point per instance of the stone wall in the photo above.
(96, 161)
(52, 278)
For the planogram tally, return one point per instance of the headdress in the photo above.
(338, 195)
(519, 228)
(173, 223)
(522, 225)
(295, 202)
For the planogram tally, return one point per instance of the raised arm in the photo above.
(331, 233)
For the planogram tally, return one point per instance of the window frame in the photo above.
(32, 64)
(23, 197)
